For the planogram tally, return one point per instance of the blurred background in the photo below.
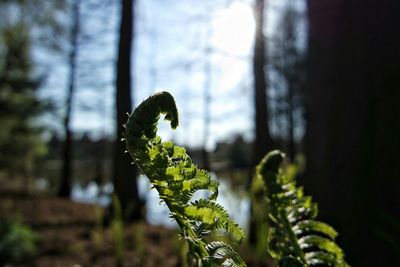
(319, 80)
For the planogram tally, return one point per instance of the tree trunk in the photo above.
(125, 174)
(352, 134)
(66, 175)
(263, 141)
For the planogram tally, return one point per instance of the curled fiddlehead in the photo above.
(295, 238)
(176, 178)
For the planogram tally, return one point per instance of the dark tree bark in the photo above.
(125, 174)
(66, 175)
(263, 141)
(352, 134)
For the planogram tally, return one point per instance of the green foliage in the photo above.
(97, 233)
(139, 238)
(295, 237)
(20, 140)
(117, 228)
(42, 17)
(176, 178)
(17, 242)
(20, 137)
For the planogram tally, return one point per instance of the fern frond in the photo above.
(226, 255)
(176, 178)
(295, 236)
(214, 214)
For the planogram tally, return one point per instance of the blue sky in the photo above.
(169, 54)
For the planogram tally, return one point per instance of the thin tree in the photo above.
(287, 61)
(263, 140)
(66, 175)
(125, 174)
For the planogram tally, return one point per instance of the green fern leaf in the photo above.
(295, 236)
(214, 214)
(176, 178)
(225, 253)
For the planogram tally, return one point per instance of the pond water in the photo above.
(236, 203)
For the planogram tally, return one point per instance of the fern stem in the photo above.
(185, 226)
(200, 246)
(291, 235)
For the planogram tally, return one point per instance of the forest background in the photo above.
(318, 80)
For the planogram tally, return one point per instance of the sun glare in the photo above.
(233, 29)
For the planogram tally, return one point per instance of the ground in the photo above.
(74, 234)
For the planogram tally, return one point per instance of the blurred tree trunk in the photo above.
(65, 186)
(353, 115)
(292, 71)
(263, 141)
(125, 174)
(287, 64)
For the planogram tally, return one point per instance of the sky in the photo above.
(174, 43)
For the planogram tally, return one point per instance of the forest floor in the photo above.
(72, 234)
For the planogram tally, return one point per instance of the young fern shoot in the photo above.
(295, 238)
(176, 178)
